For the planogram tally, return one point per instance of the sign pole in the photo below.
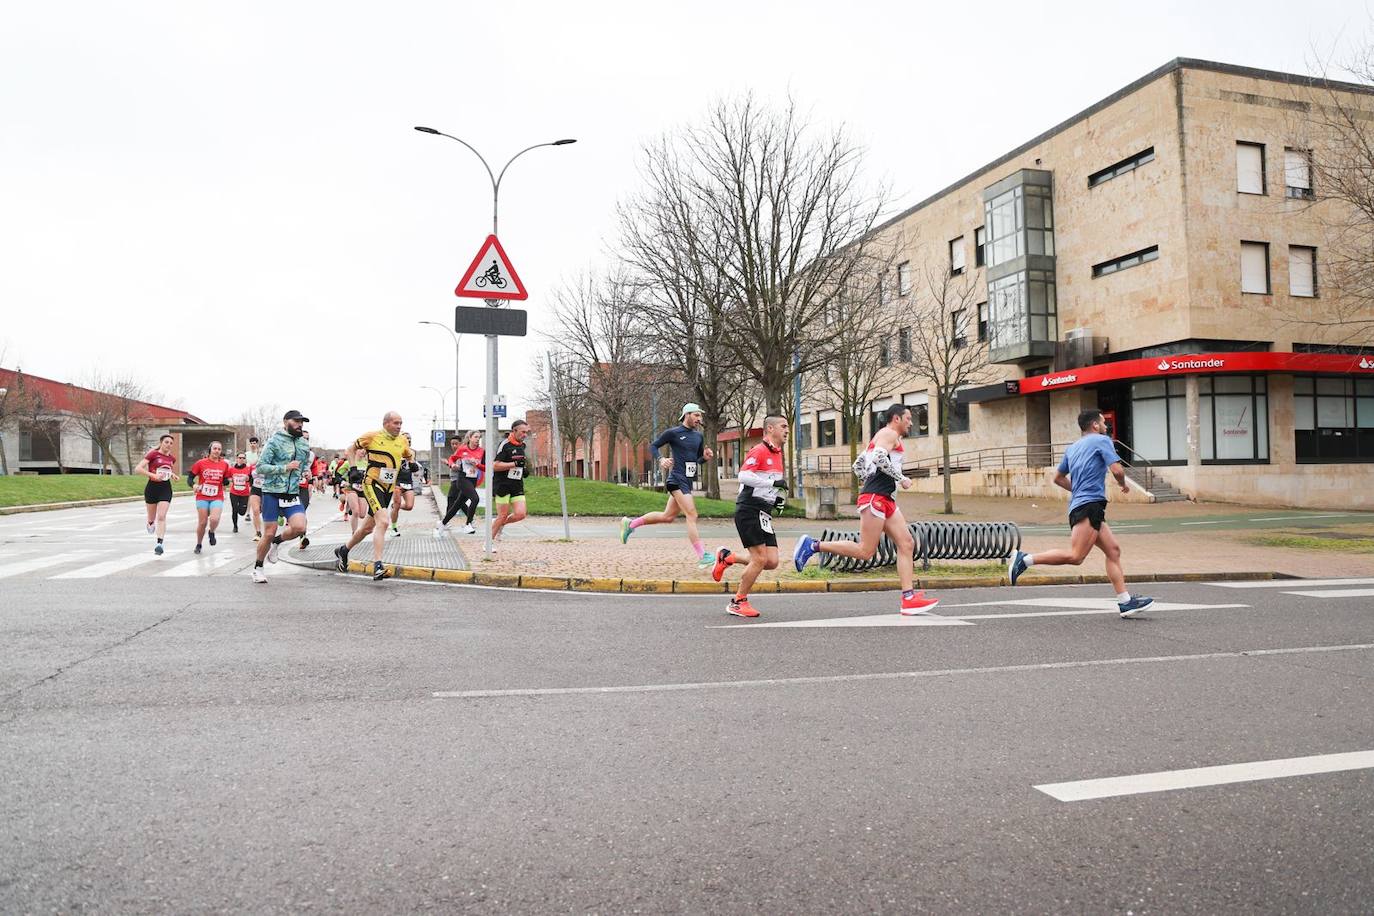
(558, 449)
(492, 446)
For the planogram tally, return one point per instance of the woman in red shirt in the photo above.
(468, 464)
(157, 492)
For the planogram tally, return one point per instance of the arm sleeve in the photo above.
(661, 441)
(1064, 464)
(1109, 452)
(754, 479)
(267, 461)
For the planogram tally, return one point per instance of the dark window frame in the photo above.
(1117, 169)
(958, 417)
(824, 426)
(980, 249)
(1364, 453)
(1295, 193)
(1316, 289)
(953, 272)
(904, 345)
(982, 322)
(1268, 270)
(1264, 170)
(958, 321)
(1126, 262)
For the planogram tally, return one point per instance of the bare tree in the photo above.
(568, 391)
(17, 405)
(262, 420)
(33, 413)
(131, 394)
(865, 349)
(100, 414)
(942, 310)
(597, 331)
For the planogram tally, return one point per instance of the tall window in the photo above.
(904, 345)
(1254, 267)
(1004, 214)
(883, 290)
(956, 418)
(904, 278)
(918, 402)
(982, 322)
(956, 256)
(884, 352)
(1302, 271)
(958, 324)
(804, 436)
(825, 428)
(1297, 172)
(1333, 419)
(1249, 168)
(980, 244)
(1233, 417)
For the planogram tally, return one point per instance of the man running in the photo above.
(1083, 472)
(880, 468)
(688, 448)
(240, 488)
(468, 461)
(157, 492)
(762, 483)
(254, 450)
(386, 452)
(207, 478)
(405, 488)
(508, 487)
(281, 465)
(353, 495)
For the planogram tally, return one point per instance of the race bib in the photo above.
(690, 471)
(209, 489)
(516, 474)
(289, 501)
(469, 468)
(240, 480)
(766, 522)
(386, 475)
(407, 486)
(164, 473)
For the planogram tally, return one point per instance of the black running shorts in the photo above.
(377, 495)
(755, 527)
(1094, 512)
(157, 491)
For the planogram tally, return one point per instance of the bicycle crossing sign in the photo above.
(491, 275)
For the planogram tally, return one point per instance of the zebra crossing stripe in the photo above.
(1338, 593)
(100, 570)
(201, 565)
(56, 559)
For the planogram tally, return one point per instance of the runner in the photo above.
(240, 488)
(255, 497)
(319, 470)
(386, 452)
(762, 482)
(688, 448)
(157, 492)
(353, 496)
(254, 450)
(468, 463)
(207, 478)
(508, 487)
(1083, 472)
(405, 488)
(283, 461)
(880, 468)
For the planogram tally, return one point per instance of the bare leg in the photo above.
(1108, 544)
(269, 531)
(378, 539)
(152, 512)
(669, 513)
(214, 518)
(1081, 542)
(201, 515)
(761, 557)
(162, 508)
(870, 532)
(896, 529)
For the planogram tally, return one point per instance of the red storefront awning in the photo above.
(1199, 363)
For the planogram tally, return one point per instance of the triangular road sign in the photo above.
(491, 275)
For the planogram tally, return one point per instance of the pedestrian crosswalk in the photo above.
(31, 562)
(1311, 588)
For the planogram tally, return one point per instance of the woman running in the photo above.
(157, 492)
(468, 463)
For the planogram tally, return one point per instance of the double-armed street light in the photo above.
(492, 354)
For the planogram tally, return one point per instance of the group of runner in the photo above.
(377, 481)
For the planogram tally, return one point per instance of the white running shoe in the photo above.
(469, 529)
(152, 529)
(259, 575)
(272, 552)
(438, 532)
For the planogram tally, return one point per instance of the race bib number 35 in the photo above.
(386, 475)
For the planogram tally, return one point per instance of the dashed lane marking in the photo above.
(1291, 583)
(1338, 593)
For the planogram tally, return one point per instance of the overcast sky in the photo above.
(228, 200)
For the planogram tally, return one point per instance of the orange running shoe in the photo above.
(722, 561)
(914, 603)
(741, 608)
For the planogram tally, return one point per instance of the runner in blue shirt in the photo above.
(1083, 472)
(688, 448)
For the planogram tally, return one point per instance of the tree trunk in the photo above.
(713, 466)
(944, 445)
(853, 454)
(612, 453)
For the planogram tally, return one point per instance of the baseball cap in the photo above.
(296, 415)
(689, 408)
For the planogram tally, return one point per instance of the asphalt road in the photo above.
(195, 742)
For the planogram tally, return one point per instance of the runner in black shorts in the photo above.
(405, 489)
(508, 486)
(157, 492)
(762, 482)
(688, 452)
(1083, 472)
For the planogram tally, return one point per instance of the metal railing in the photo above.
(933, 541)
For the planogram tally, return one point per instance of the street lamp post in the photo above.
(492, 354)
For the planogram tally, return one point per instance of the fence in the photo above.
(934, 541)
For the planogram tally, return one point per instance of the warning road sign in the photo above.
(491, 275)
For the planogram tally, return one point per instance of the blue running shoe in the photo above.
(1134, 606)
(158, 550)
(805, 549)
(625, 529)
(1016, 566)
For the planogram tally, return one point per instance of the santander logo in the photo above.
(1366, 364)
(1049, 380)
(1165, 365)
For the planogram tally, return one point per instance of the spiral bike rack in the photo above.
(934, 541)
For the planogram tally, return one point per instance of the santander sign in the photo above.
(1186, 364)
(1165, 365)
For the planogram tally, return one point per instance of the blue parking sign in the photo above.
(438, 437)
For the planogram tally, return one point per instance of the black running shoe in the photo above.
(379, 571)
(197, 548)
(212, 539)
(341, 559)
(305, 542)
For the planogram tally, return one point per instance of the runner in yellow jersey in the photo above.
(386, 451)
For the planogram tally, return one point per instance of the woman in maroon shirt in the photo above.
(157, 492)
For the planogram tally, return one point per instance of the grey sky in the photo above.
(201, 193)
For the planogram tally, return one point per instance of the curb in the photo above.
(77, 504)
(785, 586)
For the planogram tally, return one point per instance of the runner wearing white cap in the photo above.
(688, 448)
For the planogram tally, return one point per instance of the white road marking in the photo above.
(1291, 518)
(885, 676)
(54, 559)
(877, 620)
(1291, 583)
(1112, 609)
(1338, 593)
(202, 565)
(1170, 780)
(100, 570)
(1217, 522)
(1088, 604)
(1082, 606)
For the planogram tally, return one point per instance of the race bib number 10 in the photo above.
(690, 471)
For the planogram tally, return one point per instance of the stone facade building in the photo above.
(1153, 256)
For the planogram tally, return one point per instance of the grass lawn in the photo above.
(1331, 542)
(32, 490)
(594, 498)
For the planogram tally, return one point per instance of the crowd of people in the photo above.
(375, 479)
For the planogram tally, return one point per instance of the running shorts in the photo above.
(378, 496)
(209, 505)
(157, 491)
(755, 527)
(679, 483)
(882, 506)
(1095, 512)
(279, 505)
(509, 500)
(255, 491)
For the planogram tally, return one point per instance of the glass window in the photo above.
(1249, 168)
(918, 403)
(956, 256)
(1254, 267)
(1008, 321)
(1151, 389)
(804, 437)
(982, 321)
(958, 417)
(827, 432)
(1151, 430)
(904, 278)
(1333, 419)
(1130, 163)
(1302, 271)
(1235, 426)
(1003, 223)
(904, 345)
(958, 322)
(980, 238)
(1297, 172)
